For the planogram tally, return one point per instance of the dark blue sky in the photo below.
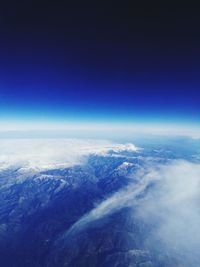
(95, 64)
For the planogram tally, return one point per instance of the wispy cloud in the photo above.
(171, 204)
(112, 204)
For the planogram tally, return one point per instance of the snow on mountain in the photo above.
(51, 153)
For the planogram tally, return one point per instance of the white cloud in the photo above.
(112, 204)
(170, 202)
(173, 207)
(47, 153)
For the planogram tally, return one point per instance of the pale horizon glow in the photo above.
(164, 129)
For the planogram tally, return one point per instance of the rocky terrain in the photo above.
(83, 215)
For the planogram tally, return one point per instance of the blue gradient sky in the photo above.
(55, 96)
(72, 64)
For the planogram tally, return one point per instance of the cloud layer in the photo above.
(169, 206)
(172, 206)
(47, 153)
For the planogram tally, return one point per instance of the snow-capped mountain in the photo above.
(111, 206)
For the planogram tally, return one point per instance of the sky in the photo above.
(89, 64)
